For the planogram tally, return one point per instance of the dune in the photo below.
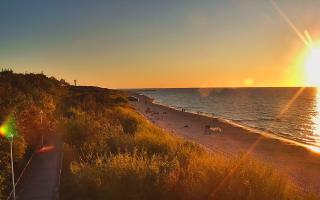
(299, 163)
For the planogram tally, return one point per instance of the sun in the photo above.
(312, 65)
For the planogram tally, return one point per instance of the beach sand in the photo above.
(299, 163)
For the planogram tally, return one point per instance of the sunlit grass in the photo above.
(149, 163)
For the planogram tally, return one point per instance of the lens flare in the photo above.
(312, 65)
(9, 129)
(2, 131)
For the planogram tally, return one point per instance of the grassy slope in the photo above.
(111, 152)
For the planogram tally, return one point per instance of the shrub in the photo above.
(128, 121)
(77, 132)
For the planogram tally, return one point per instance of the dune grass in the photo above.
(130, 158)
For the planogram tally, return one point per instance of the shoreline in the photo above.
(292, 158)
(265, 133)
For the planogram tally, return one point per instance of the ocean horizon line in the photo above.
(240, 87)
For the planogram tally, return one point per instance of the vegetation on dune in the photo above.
(112, 152)
(147, 166)
(29, 98)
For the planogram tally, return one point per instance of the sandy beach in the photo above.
(299, 163)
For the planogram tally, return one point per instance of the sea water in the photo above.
(292, 113)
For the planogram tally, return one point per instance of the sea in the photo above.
(291, 113)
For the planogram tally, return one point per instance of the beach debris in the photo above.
(133, 98)
(186, 126)
(183, 110)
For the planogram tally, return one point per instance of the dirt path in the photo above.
(42, 178)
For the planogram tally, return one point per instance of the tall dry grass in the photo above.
(133, 159)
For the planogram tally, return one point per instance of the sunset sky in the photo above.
(164, 43)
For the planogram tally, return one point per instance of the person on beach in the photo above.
(148, 110)
(207, 129)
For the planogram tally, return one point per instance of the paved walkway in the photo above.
(41, 181)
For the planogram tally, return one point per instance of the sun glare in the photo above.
(314, 149)
(312, 66)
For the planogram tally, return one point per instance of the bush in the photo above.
(78, 132)
(128, 122)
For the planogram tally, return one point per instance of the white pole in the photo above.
(41, 113)
(13, 185)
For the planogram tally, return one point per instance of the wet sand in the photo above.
(299, 163)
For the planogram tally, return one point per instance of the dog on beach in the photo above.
(216, 130)
(209, 130)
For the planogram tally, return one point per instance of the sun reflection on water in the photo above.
(316, 120)
(314, 149)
